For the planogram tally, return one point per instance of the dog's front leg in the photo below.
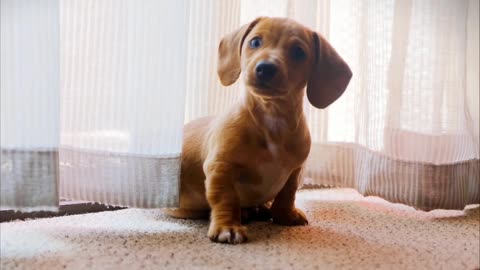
(225, 219)
(283, 208)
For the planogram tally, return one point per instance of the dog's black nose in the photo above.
(265, 70)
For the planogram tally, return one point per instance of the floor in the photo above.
(346, 231)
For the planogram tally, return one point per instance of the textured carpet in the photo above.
(346, 231)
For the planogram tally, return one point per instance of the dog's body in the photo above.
(261, 150)
(254, 153)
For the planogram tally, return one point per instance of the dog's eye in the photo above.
(255, 42)
(298, 53)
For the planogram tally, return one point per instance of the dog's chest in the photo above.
(267, 178)
(274, 168)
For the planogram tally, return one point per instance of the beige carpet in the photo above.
(346, 231)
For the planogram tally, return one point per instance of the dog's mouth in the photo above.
(266, 88)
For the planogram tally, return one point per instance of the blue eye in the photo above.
(255, 42)
(298, 53)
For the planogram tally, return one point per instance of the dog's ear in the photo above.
(330, 74)
(229, 52)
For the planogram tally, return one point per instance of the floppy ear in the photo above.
(229, 52)
(330, 75)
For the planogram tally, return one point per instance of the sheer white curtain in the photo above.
(407, 127)
(29, 83)
(123, 82)
(95, 93)
(92, 101)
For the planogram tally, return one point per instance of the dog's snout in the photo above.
(265, 70)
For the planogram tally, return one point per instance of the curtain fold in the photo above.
(123, 86)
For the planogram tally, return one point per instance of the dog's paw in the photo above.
(293, 217)
(227, 234)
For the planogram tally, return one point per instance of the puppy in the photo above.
(253, 153)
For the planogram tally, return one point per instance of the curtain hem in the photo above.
(29, 180)
(421, 185)
(119, 179)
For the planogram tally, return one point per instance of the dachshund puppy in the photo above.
(253, 154)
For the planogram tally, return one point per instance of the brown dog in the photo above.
(254, 153)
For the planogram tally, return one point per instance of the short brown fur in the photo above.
(254, 153)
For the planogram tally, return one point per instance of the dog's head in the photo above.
(279, 57)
